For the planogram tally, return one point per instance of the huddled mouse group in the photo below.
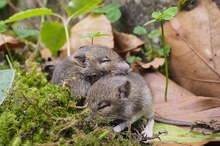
(112, 90)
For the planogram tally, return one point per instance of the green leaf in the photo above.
(29, 13)
(76, 8)
(3, 27)
(3, 3)
(156, 15)
(169, 13)
(154, 33)
(161, 51)
(53, 36)
(27, 33)
(180, 135)
(111, 11)
(114, 16)
(149, 22)
(133, 59)
(21, 30)
(6, 80)
(92, 35)
(139, 30)
(108, 8)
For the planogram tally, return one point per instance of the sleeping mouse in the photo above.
(126, 97)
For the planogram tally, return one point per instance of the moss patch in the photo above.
(37, 112)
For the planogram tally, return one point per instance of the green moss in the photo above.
(35, 112)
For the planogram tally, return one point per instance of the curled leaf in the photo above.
(155, 63)
(126, 42)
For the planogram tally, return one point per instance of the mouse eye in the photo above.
(105, 59)
(102, 105)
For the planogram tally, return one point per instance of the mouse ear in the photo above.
(125, 89)
(80, 59)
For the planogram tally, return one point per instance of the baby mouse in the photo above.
(87, 65)
(126, 97)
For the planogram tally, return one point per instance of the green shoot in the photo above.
(93, 35)
(133, 59)
(158, 16)
(149, 50)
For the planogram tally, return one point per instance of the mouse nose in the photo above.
(122, 68)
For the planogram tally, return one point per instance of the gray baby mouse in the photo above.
(126, 97)
(87, 65)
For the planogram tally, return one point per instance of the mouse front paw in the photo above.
(117, 128)
(147, 132)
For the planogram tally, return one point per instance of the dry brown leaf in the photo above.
(194, 38)
(182, 105)
(93, 23)
(190, 108)
(157, 84)
(136, 50)
(155, 63)
(126, 42)
(10, 41)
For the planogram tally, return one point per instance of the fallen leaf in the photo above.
(180, 144)
(182, 136)
(10, 41)
(157, 82)
(136, 50)
(194, 39)
(6, 80)
(154, 63)
(182, 105)
(126, 42)
(190, 108)
(93, 23)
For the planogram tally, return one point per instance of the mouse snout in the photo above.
(121, 68)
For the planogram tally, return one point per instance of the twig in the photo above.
(146, 140)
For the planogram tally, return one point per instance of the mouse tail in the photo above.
(172, 122)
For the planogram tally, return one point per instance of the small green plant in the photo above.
(133, 59)
(160, 17)
(149, 50)
(111, 11)
(54, 34)
(93, 35)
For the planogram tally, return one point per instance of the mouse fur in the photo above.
(86, 66)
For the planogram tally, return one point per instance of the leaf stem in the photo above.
(67, 38)
(166, 62)
(92, 40)
(9, 62)
(7, 49)
(65, 24)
